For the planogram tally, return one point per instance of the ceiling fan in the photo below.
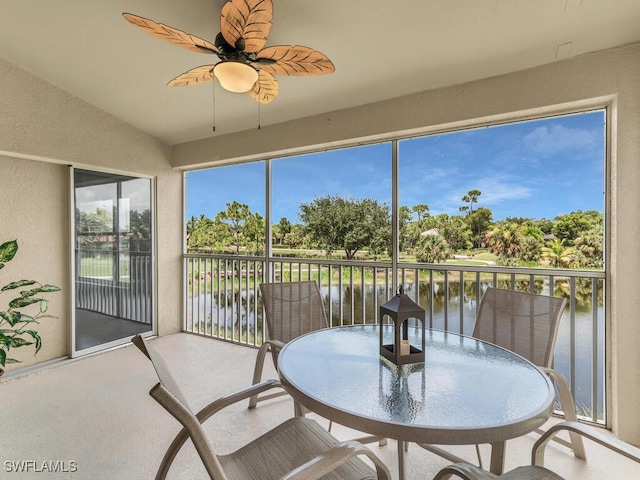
(245, 65)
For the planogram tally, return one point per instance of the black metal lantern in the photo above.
(400, 309)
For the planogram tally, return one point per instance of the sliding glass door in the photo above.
(112, 259)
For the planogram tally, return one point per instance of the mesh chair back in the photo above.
(292, 309)
(162, 370)
(168, 394)
(524, 323)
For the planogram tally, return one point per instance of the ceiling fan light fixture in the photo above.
(236, 77)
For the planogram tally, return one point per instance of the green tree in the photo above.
(410, 227)
(95, 228)
(236, 226)
(192, 223)
(204, 235)
(590, 247)
(545, 225)
(570, 226)
(506, 240)
(381, 241)
(533, 241)
(100, 221)
(235, 217)
(454, 230)
(254, 232)
(405, 227)
(471, 197)
(432, 249)
(334, 223)
(282, 229)
(140, 226)
(479, 222)
(296, 237)
(531, 250)
(422, 211)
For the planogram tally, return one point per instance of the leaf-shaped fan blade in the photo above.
(170, 34)
(249, 20)
(295, 60)
(266, 88)
(194, 76)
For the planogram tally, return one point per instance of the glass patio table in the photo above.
(465, 392)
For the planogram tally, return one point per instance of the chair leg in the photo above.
(479, 455)
(569, 408)
(401, 450)
(257, 372)
(298, 410)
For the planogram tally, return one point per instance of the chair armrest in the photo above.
(463, 470)
(275, 346)
(333, 458)
(592, 433)
(227, 400)
(207, 412)
(276, 343)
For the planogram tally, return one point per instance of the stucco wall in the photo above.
(610, 77)
(33, 212)
(42, 130)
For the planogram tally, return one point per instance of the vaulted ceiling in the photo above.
(381, 49)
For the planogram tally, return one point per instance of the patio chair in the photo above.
(297, 449)
(292, 309)
(537, 471)
(526, 324)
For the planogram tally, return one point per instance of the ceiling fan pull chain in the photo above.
(258, 115)
(213, 95)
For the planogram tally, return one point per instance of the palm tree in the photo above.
(558, 255)
(432, 249)
(506, 240)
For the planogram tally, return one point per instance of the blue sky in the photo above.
(536, 169)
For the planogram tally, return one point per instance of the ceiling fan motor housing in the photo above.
(227, 52)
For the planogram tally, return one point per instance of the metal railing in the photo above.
(222, 301)
(115, 285)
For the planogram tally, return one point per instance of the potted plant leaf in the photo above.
(16, 325)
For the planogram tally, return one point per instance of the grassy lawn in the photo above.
(102, 267)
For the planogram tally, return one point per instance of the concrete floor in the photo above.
(94, 415)
(94, 328)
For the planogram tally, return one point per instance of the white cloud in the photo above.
(557, 139)
(496, 191)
